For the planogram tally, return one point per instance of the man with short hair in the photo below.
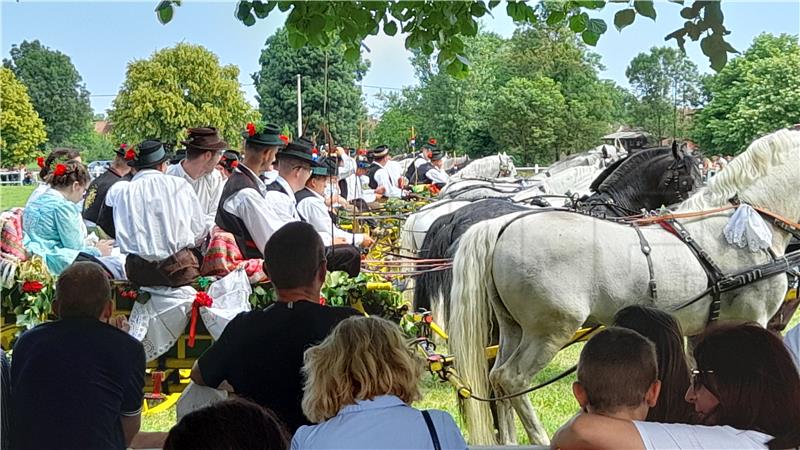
(379, 177)
(358, 192)
(340, 245)
(158, 221)
(260, 353)
(423, 157)
(204, 149)
(432, 172)
(243, 209)
(78, 381)
(97, 190)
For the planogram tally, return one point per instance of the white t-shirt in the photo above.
(681, 436)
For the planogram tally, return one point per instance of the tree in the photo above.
(537, 108)
(443, 25)
(666, 82)
(396, 122)
(333, 96)
(55, 88)
(21, 128)
(753, 95)
(93, 146)
(176, 88)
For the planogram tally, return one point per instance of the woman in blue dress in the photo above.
(52, 223)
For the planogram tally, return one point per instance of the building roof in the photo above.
(102, 127)
(625, 135)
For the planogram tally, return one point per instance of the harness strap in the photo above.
(646, 250)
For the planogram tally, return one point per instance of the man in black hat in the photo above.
(229, 161)
(96, 193)
(433, 172)
(381, 179)
(243, 209)
(413, 172)
(342, 253)
(158, 221)
(203, 151)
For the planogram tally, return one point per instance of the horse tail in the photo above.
(430, 285)
(470, 320)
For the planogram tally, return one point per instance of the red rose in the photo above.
(123, 146)
(234, 164)
(40, 162)
(203, 299)
(130, 155)
(284, 138)
(251, 129)
(432, 141)
(322, 301)
(60, 170)
(32, 287)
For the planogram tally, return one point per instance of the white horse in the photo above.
(417, 224)
(544, 275)
(575, 180)
(494, 166)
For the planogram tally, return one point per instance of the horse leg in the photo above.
(531, 356)
(510, 336)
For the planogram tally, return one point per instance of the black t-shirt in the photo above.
(96, 193)
(71, 380)
(260, 354)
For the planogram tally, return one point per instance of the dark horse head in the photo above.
(646, 179)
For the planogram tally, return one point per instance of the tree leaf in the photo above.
(478, 9)
(352, 54)
(645, 8)
(687, 13)
(390, 28)
(262, 9)
(296, 39)
(578, 22)
(493, 3)
(249, 20)
(464, 60)
(555, 17)
(623, 18)
(590, 37)
(243, 10)
(597, 26)
(164, 12)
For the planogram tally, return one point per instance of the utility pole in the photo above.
(299, 109)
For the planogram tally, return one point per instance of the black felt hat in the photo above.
(230, 160)
(327, 167)
(122, 149)
(379, 152)
(301, 149)
(204, 139)
(267, 135)
(430, 145)
(148, 154)
(436, 155)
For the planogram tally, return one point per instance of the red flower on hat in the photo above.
(432, 141)
(123, 146)
(32, 287)
(60, 170)
(284, 138)
(251, 129)
(234, 164)
(40, 162)
(130, 155)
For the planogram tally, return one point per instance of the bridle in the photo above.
(679, 176)
(504, 167)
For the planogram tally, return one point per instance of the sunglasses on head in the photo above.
(697, 378)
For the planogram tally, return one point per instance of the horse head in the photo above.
(682, 176)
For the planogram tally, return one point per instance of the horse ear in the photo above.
(675, 150)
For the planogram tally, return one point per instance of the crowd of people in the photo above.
(307, 376)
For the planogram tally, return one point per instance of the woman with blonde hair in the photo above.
(360, 382)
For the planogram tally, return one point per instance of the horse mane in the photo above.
(606, 172)
(631, 164)
(741, 176)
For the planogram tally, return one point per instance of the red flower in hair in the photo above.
(130, 155)
(40, 162)
(251, 129)
(60, 170)
(432, 141)
(234, 164)
(284, 138)
(32, 287)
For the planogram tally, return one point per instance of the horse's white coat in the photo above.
(550, 272)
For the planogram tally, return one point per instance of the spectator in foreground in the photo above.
(46, 165)
(664, 331)
(260, 353)
(745, 390)
(53, 225)
(235, 424)
(77, 381)
(360, 383)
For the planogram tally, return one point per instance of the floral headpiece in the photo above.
(130, 154)
(284, 138)
(60, 169)
(254, 128)
(40, 162)
(432, 141)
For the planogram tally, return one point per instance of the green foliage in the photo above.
(665, 82)
(55, 88)
(445, 25)
(21, 128)
(93, 146)
(277, 92)
(394, 128)
(538, 109)
(179, 87)
(753, 95)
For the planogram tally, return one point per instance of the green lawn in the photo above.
(13, 196)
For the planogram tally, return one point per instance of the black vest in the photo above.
(422, 174)
(276, 187)
(373, 169)
(305, 193)
(94, 202)
(412, 171)
(239, 179)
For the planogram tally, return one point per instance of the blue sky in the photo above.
(102, 37)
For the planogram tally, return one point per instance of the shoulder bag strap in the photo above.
(431, 429)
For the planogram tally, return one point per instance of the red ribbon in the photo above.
(201, 299)
(40, 162)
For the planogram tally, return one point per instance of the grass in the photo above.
(14, 196)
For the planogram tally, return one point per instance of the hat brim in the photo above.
(144, 165)
(298, 156)
(272, 140)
